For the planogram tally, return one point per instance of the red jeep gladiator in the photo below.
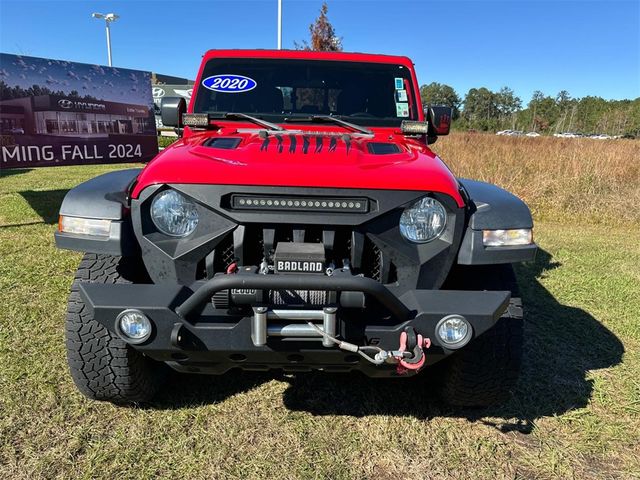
(301, 222)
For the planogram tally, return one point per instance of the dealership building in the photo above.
(70, 116)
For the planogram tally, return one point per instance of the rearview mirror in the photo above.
(171, 111)
(439, 118)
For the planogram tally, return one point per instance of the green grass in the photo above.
(164, 142)
(575, 414)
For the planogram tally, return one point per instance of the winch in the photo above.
(293, 257)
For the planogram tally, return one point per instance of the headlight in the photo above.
(174, 214)
(423, 221)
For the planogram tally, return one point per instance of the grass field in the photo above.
(575, 412)
(593, 180)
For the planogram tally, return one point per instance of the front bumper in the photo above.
(193, 336)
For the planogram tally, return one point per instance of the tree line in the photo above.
(10, 92)
(485, 110)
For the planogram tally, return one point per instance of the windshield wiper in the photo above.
(244, 116)
(330, 119)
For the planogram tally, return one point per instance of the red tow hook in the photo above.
(232, 268)
(416, 344)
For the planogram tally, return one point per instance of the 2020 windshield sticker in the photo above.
(229, 83)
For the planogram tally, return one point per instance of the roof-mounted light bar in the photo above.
(306, 204)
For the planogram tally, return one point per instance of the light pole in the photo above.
(279, 24)
(108, 18)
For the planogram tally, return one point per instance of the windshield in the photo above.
(376, 94)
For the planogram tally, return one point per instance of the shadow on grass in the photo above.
(188, 390)
(45, 203)
(14, 171)
(561, 345)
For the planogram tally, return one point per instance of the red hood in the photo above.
(310, 157)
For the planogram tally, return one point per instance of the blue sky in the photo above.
(587, 47)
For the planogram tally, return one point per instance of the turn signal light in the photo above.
(84, 226)
(507, 238)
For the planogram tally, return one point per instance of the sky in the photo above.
(588, 47)
(112, 84)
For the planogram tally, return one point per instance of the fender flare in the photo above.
(103, 197)
(493, 208)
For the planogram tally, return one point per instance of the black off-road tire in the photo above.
(485, 372)
(102, 365)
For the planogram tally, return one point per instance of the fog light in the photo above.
(134, 326)
(454, 331)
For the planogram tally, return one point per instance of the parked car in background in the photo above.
(568, 135)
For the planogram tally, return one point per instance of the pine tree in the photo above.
(323, 35)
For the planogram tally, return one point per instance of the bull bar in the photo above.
(190, 334)
(337, 283)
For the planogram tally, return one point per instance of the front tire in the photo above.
(485, 372)
(102, 365)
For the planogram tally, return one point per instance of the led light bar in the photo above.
(304, 204)
(507, 238)
(195, 119)
(84, 226)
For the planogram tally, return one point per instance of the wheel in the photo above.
(485, 372)
(102, 365)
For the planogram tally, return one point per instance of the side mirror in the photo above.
(171, 111)
(439, 118)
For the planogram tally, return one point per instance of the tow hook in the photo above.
(411, 352)
(410, 355)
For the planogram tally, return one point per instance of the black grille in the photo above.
(298, 297)
(372, 261)
(223, 255)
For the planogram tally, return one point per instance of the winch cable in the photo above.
(350, 347)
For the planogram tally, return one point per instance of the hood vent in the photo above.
(225, 143)
(383, 148)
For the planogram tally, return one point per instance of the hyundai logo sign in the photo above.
(81, 105)
(158, 92)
